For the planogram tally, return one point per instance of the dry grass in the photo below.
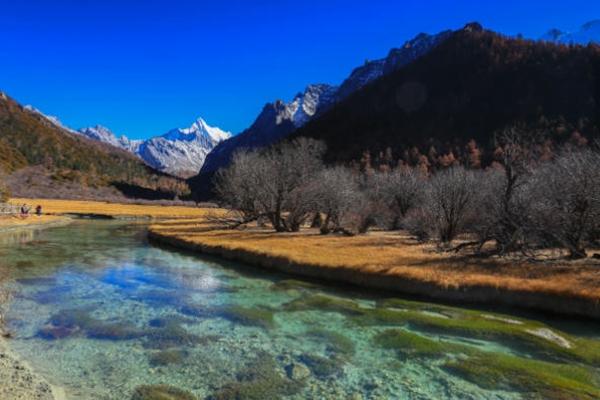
(58, 207)
(396, 255)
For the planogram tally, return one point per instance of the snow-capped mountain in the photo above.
(587, 33)
(396, 59)
(305, 105)
(182, 151)
(179, 152)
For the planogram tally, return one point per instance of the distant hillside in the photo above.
(30, 142)
(471, 86)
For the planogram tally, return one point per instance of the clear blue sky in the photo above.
(143, 67)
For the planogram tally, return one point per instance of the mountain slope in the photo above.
(279, 119)
(471, 86)
(30, 140)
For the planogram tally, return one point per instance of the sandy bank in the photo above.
(14, 223)
(389, 262)
(19, 382)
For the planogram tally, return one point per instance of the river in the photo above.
(99, 311)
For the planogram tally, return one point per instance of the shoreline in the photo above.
(21, 381)
(33, 222)
(24, 382)
(553, 303)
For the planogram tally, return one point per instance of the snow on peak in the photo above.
(305, 105)
(201, 128)
(180, 151)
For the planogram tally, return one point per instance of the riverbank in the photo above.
(23, 382)
(13, 223)
(99, 209)
(393, 261)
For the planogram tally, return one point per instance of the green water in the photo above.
(99, 311)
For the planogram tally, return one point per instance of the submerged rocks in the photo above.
(167, 357)
(161, 392)
(260, 317)
(162, 322)
(71, 322)
(336, 343)
(297, 371)
(260, 379)
(322, 367)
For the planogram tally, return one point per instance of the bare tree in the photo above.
(273, 183)
(567, 191)
(237, 187)
(336, 193)
(401, 190)
(450, 197)
(504, 210)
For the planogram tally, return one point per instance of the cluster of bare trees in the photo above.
(522, 205)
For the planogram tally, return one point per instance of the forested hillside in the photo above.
(449, 105)
(31, 143)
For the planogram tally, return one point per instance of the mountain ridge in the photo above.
(49, 160)
(274, 121)
(497, 82)
(179, 152)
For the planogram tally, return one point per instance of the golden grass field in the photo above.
(58, 207)
(392, 254)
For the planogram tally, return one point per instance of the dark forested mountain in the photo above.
(460, 94)
(56, 156)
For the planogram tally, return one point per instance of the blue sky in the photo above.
(143, 67)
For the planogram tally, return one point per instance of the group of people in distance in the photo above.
(25, 210)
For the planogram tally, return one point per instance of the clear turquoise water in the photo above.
(99, 311)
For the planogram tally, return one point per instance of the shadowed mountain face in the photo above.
(471, 86)
(30, 140)
(277, 120)
(459, 86)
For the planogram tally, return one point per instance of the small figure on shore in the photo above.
(24, 211)
(38, 210)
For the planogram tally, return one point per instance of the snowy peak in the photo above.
(182, 151)
(305, 105)
(199, 129)
(178, 152)
(587, 33)
(396, 59)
